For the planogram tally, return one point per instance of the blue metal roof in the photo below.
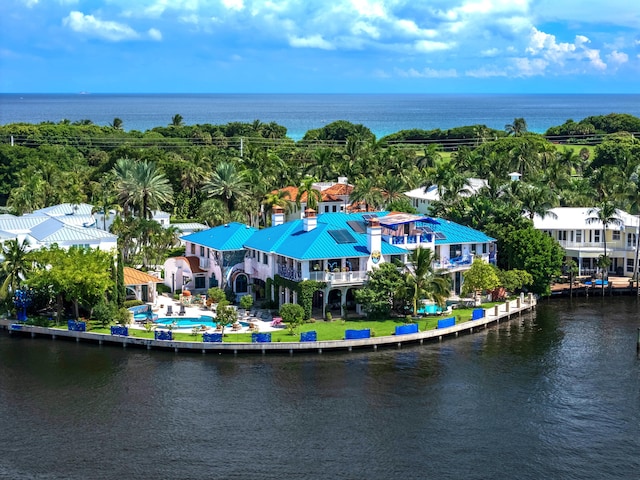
(455, 233)
(290, 239)
(229, 237)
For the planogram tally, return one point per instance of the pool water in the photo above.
(190, 322)
(187, 322)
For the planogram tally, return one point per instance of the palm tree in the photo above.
(607, 214)
(313, 196)
(366, 191)
(537, 201)
(15, 266)
(227, 184)
(116, 124)
(149, 188)
(278, 198)
(517, 128)
(423, 281)
(176, 120)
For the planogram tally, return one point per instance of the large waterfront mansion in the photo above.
(336, 249)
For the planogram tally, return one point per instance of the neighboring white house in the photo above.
(66, 225)
(421, 198)
(584, 242)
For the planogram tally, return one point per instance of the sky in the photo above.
(319, 46)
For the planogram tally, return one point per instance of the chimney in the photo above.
(310, 220)
(374, 237)
(277, 216)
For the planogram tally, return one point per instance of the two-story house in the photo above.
(337, 249)
(584, 241)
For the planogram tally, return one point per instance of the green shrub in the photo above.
(246, 302)
(328, 317)
(132, 303)
(162, 288)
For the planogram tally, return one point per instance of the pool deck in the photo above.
(196, 311)
(493, 315)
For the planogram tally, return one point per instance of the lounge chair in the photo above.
(182, 311)
(169, 310)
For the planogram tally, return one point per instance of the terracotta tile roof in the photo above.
(339, 189)
(194, 264)
(136, 277)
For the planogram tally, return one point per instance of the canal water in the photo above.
(555, 394)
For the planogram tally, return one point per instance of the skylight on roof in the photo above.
(342, 236)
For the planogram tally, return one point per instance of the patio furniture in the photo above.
(169, 310)
(182, 311)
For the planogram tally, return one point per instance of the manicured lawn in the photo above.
(333, 330)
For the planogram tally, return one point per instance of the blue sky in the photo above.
(320, 46)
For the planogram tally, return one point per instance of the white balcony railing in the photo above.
(339, 277)
(204, 263)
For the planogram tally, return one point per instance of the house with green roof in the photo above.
(336, 249)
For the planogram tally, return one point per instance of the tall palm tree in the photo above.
(149, 188)
(227, 184)
(177, 120)
(607, 214)
(423, 281)
(366, 191)
(15, 266)
(313, 195)
(517, 128)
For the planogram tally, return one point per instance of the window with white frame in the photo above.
(615, 235)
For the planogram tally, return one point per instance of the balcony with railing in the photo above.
(204, 263)
(340, 278)
(290, 273)
(409, 241)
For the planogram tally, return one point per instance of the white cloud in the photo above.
(313, 41)
(90, 25)
(486, 72)
(527, 67)
(155, 34)
(233, 4)
(618, 57)
(427, 73)
(365, 28)
(431, 46)
(491, 52)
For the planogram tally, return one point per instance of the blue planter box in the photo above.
(309, 336)
(357, 334)
(120, 330)
(406, 329)
(447, 322)
(212, 337)
(74, 326)
(477, 314)
(260, 338)
(163, 335)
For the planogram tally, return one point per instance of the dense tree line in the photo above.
(220, 173)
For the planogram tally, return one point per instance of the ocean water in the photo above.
(383, 114)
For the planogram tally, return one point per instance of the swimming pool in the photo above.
(187, 322)
(190, 322)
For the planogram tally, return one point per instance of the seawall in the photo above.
(495, 314)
